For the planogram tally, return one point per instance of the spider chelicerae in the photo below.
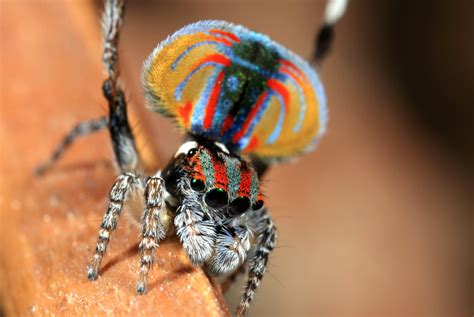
(245, 103)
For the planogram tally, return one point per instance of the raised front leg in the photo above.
(258, 265)
(118, 195)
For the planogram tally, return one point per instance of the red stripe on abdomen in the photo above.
(281, 89)
(228, 34)
(185, 112)
(212, 102)
(215, 58)
(250, 117)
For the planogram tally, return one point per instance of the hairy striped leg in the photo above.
(79, 130)
(232, 246)
(155, 223)
(117, 197)
(265, 243)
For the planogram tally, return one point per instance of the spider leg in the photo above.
(118, 195)
(230, 251)
(323, 41)
(266, 239)
(81, 129)
(155, 223)
(120, 131)
(122, 139)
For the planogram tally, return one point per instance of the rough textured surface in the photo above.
(48, 227)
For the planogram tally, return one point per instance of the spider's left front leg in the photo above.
(117, 197)
(155, 222)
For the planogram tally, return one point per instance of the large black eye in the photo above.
(257, 205)
(216, 198)
(239, 206)
(197, 185)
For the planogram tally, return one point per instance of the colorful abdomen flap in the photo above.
(230, 84)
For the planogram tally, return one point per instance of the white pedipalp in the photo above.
(222, 147)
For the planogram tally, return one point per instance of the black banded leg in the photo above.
(118, 195)
(79, 130)
(265, 243)
(325, 36)
(119, 127)
(323, 43)
(155, 223)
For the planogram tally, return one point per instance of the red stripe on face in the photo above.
(250, 117)
(228, 34)
(281, 89)
(196, 169)
(212, 102)
(220, 173)
(246, 175)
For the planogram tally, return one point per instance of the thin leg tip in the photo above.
(141, 288)
(240, 312)
(92, 274)
(39, 171)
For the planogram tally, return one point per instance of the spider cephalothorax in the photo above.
(235, 92)
(213, 189)
(224, 182)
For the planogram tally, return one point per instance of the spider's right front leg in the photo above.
(155, 222)
(118, 195)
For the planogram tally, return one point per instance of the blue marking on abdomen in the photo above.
(179, 90)
(246, 138)
(222, 49)
(199, 110)
(276, 132)
(298, 124)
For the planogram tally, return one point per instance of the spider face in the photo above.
(224, 184)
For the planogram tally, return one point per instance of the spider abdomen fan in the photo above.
(229, 84)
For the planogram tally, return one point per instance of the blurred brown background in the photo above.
(378, 221)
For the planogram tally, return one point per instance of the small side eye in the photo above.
(216, 198)
(186, 147)
(197, 185)
(257, 205)
(239, 206)
(192, 152)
